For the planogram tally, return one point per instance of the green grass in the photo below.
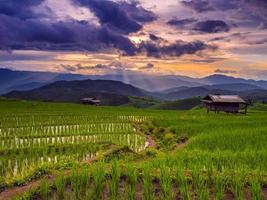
(141, 102)
(183, 104)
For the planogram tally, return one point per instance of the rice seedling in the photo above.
(60, 185)
(185, 190)
(147, 183)
(219, 188)
(256, 189)
(84, 176)
(131, 174)
(202, 191)
(115, 179)
(238, 188)
(182, 184)
(165, 183)
(76, 182)
(79, 180)
(99, 180)
(44, 190)
(200, 185)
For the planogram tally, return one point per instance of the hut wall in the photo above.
(225, 107)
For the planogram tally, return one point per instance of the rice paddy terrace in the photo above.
(67, 151)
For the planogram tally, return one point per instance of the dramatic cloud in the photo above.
(80, 68)
(176, 49)
(137, 12)
(175, 35)
(72, 34)
(67, 35)
(18, 31)
(225, 71)
(238, 9)
(211, 5)
(114, 66)
(124, 17)
(199, 5)
(155, 38)
(212, 26)
(208, 26)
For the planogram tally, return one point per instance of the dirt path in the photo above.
(150, 142)
(10, 193)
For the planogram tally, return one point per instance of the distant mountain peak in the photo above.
(108, 91)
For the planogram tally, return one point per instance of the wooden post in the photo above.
(246, 108)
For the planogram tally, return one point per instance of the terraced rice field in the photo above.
(33, 140)
(67, 151)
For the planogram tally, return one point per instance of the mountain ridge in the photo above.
(14, 80)
(108, 91)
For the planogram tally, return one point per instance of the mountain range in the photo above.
(115, 89)
(26, 80)
(108, 91)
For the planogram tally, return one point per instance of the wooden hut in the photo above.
(90, 101)
(225, 103)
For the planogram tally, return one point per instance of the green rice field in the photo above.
(70, 151)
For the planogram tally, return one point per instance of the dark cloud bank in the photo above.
(208, 26)
(21, 28)
(212, 26)
(247, 10)
(111, 67)
(202, 6)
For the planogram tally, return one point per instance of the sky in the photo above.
(184, 37)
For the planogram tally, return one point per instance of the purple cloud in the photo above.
(124, 17)
(180, 23)
(179, 48)
(22, 9)
(117, 20)
(199, 5)
(212, 26)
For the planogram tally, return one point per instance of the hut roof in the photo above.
(225, 98)
(93, 100)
